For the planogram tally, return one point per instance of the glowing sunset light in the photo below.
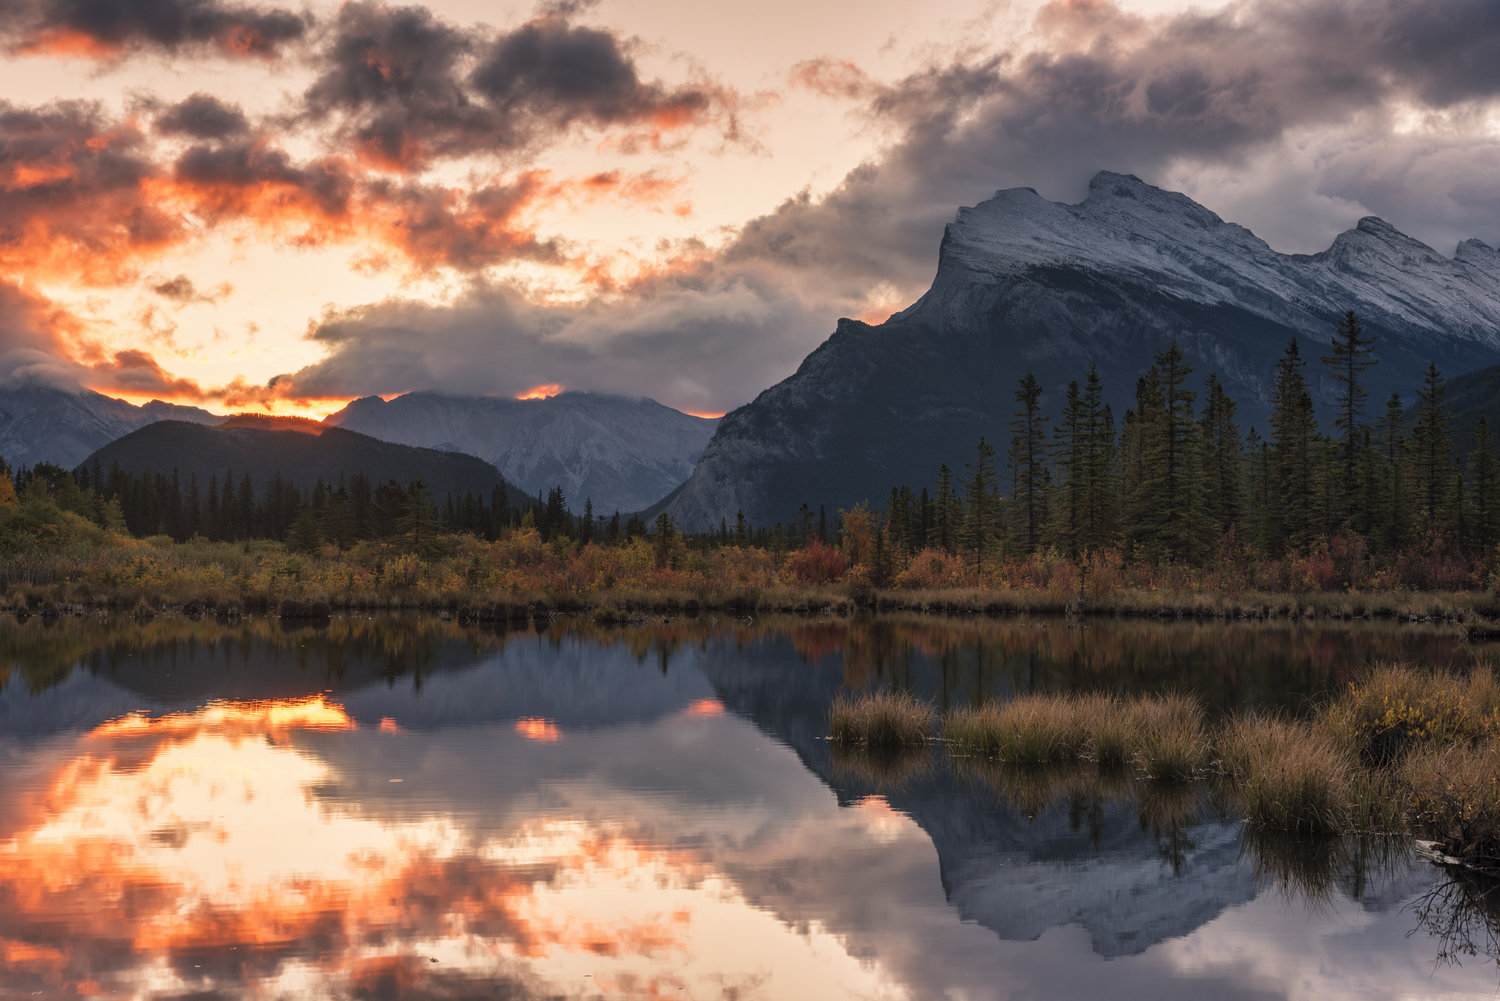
(707, 414)
(174, 856)
(542, 392)
(236, 718)
(536, 728)
(704, 708)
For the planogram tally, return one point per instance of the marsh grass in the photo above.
(1288, 775)
(882, 719)
(1029, 729)
(1170, 740)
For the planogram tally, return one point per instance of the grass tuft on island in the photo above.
(1401, 750)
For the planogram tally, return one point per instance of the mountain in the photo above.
(300, 457)
(1026, 284)
(41, 423)
(621, 453)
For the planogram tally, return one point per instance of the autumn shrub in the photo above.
(816, 563)
(1455, 798)
(1397, 708)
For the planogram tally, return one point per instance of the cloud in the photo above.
(72, 201)
(106, 28)
(1289, 112)
(203, 116)
(403, 88)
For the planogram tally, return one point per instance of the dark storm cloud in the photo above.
(203, 116)
(106, 27)
(407, 87)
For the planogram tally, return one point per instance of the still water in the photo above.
(405, 808)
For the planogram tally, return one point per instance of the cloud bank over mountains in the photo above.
(432, 151)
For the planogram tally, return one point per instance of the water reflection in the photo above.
(411, 809)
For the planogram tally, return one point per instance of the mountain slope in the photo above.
(299, 457)
(621, 453)
(1024, 284)
(40, 423)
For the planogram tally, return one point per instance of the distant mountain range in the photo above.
(263, 448)
(621, 453)
(42, 423)
(1026, 284)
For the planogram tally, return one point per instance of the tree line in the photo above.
(1176, 481)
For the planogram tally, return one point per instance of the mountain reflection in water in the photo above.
(399, 808)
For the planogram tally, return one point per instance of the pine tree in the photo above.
(1293, 440)
(1070, 448)
(1432, 447)
(1221, 463)
(1028, 460)
(1484, 489)
(948, 513)
(981, 525)
(1098, 464)
(1392, 522)
(1352, 355)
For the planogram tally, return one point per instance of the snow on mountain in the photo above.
(41, 423)
(621, 453)
(1026, 284)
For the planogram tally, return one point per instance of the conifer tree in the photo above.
(1220, 440)
(1097, 469)
(948, 512)
(1070, 449)
(1352, 355)
(1484, 489)
(1432, 447)
(1393, 519)
(1028, 460)
(1293, 440)
(981, 524)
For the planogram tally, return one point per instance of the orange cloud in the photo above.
(542, 392)
(833, 78)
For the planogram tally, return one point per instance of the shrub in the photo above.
(1455, 797)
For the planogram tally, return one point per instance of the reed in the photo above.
(882, 719)
(1289, 776)
(1028, 729)
(1171, 743)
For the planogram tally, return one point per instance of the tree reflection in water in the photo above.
(1462, 914)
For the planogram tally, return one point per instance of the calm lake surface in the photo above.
(405, 808)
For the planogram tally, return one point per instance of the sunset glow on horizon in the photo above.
(280, 209)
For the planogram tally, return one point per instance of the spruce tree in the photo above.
(1293, 441)
(1219, 436)
(1028, 460)
(1098, 464)
(1484, 490)
(1352, 355)
(981, 525)
(1070, 449)
(1432, 447)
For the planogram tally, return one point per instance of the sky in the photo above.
(249, 205)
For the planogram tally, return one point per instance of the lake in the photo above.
(406, 808)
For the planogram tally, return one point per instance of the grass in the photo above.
(1030, 729)
(1399, 751)
(1171, 744)
(885, 719)
(1288, 775)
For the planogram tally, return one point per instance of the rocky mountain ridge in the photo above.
(1026, 284)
